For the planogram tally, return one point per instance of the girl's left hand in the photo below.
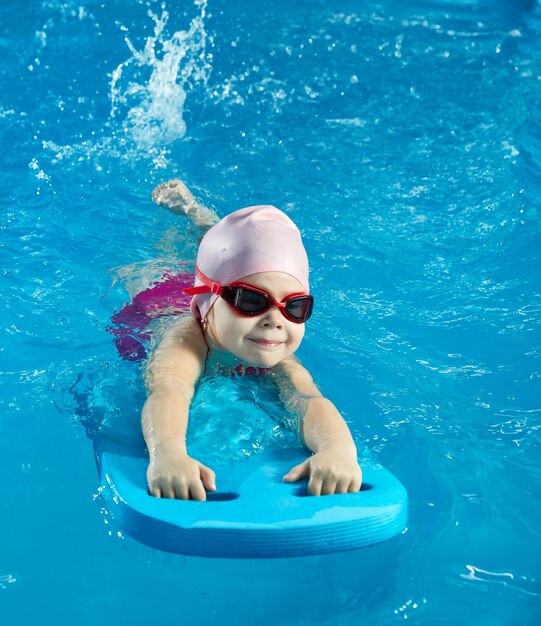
(330, 471)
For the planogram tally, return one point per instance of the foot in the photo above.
(175, 196)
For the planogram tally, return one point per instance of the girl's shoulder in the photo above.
(183, 337)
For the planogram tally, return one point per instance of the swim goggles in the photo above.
(250, 301)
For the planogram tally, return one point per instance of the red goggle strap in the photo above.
(209, 286)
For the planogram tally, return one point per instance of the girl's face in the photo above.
(262, 340)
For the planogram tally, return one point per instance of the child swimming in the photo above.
(249, 306)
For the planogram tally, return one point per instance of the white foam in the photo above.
(149, 88)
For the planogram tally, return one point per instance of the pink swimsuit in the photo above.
(130, 325)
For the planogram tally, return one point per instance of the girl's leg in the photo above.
(174, 195)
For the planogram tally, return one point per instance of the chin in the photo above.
(269, 360)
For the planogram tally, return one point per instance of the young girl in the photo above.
(250, 303)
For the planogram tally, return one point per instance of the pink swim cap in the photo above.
(248, 241)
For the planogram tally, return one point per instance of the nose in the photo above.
(272, 318)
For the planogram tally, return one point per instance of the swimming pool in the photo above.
(405, 141)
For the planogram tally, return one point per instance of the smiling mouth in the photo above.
(266, 343)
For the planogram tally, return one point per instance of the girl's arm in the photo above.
(170, 378)
(333, 468)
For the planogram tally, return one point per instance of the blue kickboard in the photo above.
(254, 513)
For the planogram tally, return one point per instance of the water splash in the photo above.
(151, 85)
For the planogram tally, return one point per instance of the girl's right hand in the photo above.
(174, 474)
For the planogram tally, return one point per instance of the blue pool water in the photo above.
(404, 138)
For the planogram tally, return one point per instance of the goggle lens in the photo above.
(251, 302)
(300, 308)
